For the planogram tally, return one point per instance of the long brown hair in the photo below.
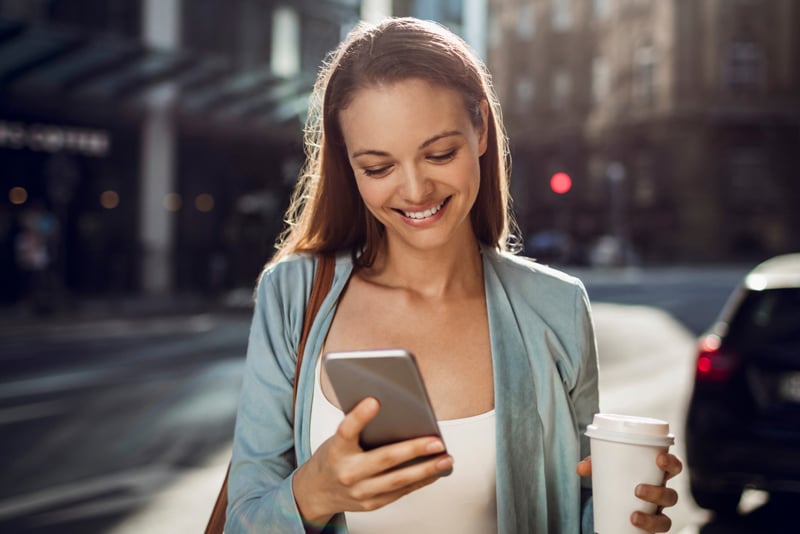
(326, 213)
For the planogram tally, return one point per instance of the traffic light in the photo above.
(560, 183)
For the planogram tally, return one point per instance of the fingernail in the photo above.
(636, 518)
(435, 446)
(639, 491)
(445, 463)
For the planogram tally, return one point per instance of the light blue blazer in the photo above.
(545, 385)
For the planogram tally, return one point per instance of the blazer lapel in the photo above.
(520, 458)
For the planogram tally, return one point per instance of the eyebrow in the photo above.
(427, 142)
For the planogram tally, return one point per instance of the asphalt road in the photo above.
(693, 296)
(123, 425)
(97, 417)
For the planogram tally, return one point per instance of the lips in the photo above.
(430, 212)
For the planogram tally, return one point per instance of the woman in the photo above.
(406, 183)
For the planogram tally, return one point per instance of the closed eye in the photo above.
(443, 158)
(375, 172)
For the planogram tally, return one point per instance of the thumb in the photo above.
(356, 419)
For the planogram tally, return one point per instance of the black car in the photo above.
(743, 421)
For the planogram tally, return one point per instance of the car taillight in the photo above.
(713, 364)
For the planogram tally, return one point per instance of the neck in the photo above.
(454, 270)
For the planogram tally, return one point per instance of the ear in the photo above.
(483, 131)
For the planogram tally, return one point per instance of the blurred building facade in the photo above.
(157, 141)
(160, 139)
(162, 136)
(677, 120)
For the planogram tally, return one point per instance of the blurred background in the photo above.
(148, 149)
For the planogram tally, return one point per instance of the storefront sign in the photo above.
(54, 138)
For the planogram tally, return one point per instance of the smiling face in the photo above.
(415, 156)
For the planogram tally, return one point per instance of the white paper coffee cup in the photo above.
(624, 450)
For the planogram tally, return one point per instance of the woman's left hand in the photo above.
(662, 496)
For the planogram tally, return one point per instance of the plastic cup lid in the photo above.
(630, 429)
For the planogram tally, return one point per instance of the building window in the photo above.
(562, 89)
(526, 90)
(526, 21)
(744, 67)
(644, 73)
(285, 58)
(601, 79)
(644, 181)
(562, 14)
(749, 182)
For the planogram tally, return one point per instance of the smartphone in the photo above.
(393, 378)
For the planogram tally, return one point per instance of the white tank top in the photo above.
(464, 502)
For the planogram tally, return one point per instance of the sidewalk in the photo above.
(183, 506)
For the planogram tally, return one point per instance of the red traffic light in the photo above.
(560, 183)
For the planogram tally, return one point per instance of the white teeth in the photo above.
(424, 214)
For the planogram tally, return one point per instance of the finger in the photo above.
(660, 495)
(670, 464)
(357, 418)
(651, 523)
(390, 456)
(403, 480)
(584, 467)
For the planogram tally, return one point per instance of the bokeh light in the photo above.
(561, 183)
(173, 201)
(109, 199)
(18, 195)
(204, 202)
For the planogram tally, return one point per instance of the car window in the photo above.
(771, 315)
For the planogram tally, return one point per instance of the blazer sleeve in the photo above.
(260, 497)
(585, 395)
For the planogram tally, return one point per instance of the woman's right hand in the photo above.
(341, 477)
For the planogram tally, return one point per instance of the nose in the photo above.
(416, 186)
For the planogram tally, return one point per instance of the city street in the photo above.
(123, 425)
(156, 153)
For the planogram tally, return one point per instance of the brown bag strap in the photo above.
(323, 280)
